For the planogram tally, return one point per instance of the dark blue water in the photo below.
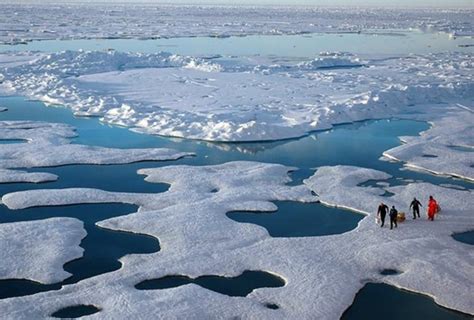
(11, 141)
(102, 247)
(381, 301)
(239, 286)
(295, 219)
(465, 237)
(359, 144)
(75, 311)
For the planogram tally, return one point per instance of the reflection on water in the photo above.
(302, 46)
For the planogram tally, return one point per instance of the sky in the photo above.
(378, 3)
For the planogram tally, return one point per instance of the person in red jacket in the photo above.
(432, 208)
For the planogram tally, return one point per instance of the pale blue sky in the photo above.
(378, 3)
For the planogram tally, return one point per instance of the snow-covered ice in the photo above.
(433, 150)
(49, 144)
(26, 22)
(37, 250)
(203, 99)
(255, 99)
(322, 274)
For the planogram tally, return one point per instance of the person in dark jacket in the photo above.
(382, 212)
(393, 217)
(415, 205)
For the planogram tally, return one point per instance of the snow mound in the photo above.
(328, 60)
(71, 63)
(37, 250)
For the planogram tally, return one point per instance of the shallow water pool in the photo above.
(392, 42)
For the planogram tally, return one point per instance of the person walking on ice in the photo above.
(432, 208)
(393, 217)
(382, 212)
(415, 205)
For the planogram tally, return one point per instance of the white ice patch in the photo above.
(37, 250)
(48, 144)
(12, 176)
(322, 274)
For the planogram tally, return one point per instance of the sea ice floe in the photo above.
(26, 22)
(11, 176)
(194, 98)
(49, 144)
(37, 250)
(433, 150)
(322, 274)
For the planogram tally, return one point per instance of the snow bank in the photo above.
(70, 63)
(26, 22)
(37, 250)
(322, 274)
(48, 144)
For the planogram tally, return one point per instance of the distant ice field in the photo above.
(23, 23)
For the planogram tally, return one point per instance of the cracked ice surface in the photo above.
(26, 22)
(49, 144)
(37, 250)
(322, 274)
(446, 148)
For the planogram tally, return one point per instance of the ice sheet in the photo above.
(322, 274)
(204, 99)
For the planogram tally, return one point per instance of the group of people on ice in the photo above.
(415, 205)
